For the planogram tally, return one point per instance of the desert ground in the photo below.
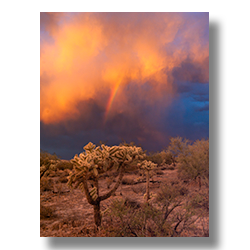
(65, 212)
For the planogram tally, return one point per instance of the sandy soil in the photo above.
(70, 215)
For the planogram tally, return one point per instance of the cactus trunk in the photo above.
(97, 211)
(97, 214)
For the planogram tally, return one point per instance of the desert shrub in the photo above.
(130, 218)
(146, 220)
(177, 147)
(166, 216)
(155, 158)
(167, 193)
(131, 203)
(195, 162)
(127, 181)
(183, 190)
(48, 163)
(159, 158)
(177, 213)
(168, 157)
(201, 200)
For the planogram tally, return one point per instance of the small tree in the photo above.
(195, 163)
(167, 157)
(177, 147)
(147, 166)
(93, 163)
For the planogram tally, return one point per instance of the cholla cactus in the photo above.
(93, 162)
(47, 162)
(147, 166)
(44, 169)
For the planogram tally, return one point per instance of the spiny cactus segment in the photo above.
(97, 160)
(147, 165)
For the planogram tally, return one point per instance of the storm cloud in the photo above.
(110, 77)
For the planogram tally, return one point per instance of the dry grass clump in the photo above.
(128, 181)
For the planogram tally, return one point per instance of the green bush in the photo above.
(177, 147)
(195, 161)
(155, 158)
(159, 158)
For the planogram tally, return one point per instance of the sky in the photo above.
(114, 77)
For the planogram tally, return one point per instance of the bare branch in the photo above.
(169, 211)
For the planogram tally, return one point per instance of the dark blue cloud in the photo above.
(148, 124)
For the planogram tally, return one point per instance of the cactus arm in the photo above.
(86, 190)
(112, 191)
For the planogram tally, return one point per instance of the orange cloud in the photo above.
(90, 51)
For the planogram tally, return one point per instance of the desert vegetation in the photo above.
(123, 191)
